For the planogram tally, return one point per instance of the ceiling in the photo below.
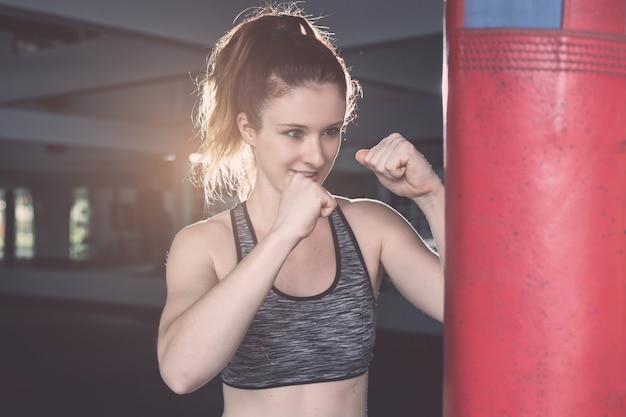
(93, 85)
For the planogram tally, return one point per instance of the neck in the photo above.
(263, 207)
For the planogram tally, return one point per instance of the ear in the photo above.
(248, 133)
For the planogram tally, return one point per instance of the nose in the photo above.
(313, 152)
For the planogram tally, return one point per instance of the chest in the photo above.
(314, 264)
(312, 267)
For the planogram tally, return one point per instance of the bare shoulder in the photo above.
(373, 221)
(205, 232)
(203, 245)
(377, 222)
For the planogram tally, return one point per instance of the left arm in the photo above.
(414, 269)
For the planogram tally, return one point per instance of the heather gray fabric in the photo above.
(303, 340)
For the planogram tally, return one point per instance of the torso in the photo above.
(309, 264)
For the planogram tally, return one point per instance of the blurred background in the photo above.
(97, 101)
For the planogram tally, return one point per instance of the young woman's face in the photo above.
(301, 132)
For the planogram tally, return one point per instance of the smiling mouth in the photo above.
(311, 175)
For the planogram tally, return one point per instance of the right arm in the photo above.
(205, 319)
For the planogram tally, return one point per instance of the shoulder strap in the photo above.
(244, 238)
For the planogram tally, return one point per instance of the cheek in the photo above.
(275, 153)
(331, 149)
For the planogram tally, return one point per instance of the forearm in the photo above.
(197, 345)
(433, 207)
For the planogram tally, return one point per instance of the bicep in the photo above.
(190, 274)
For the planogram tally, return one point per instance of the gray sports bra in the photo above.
(304, 340)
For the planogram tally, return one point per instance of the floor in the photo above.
(75, 358)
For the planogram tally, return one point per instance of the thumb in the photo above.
(328, 205)
(360, 155)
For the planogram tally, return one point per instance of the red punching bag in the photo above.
(535, 168)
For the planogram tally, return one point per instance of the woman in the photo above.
(279, 293)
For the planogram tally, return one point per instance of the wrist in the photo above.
(283, 237)
(434, 199)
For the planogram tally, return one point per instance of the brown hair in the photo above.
(260, 59)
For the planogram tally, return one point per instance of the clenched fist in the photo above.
(399, 167)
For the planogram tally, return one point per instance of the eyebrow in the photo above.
(299, 126)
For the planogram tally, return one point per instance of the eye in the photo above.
(333, 131)
(295, 133)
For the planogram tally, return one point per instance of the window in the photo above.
(24, 224)
(80, 215)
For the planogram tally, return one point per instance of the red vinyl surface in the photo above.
(535, 321)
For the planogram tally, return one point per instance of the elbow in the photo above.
(182, 374)
(179, 387)
(178, 382)
(170, 374)
(182, 378)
